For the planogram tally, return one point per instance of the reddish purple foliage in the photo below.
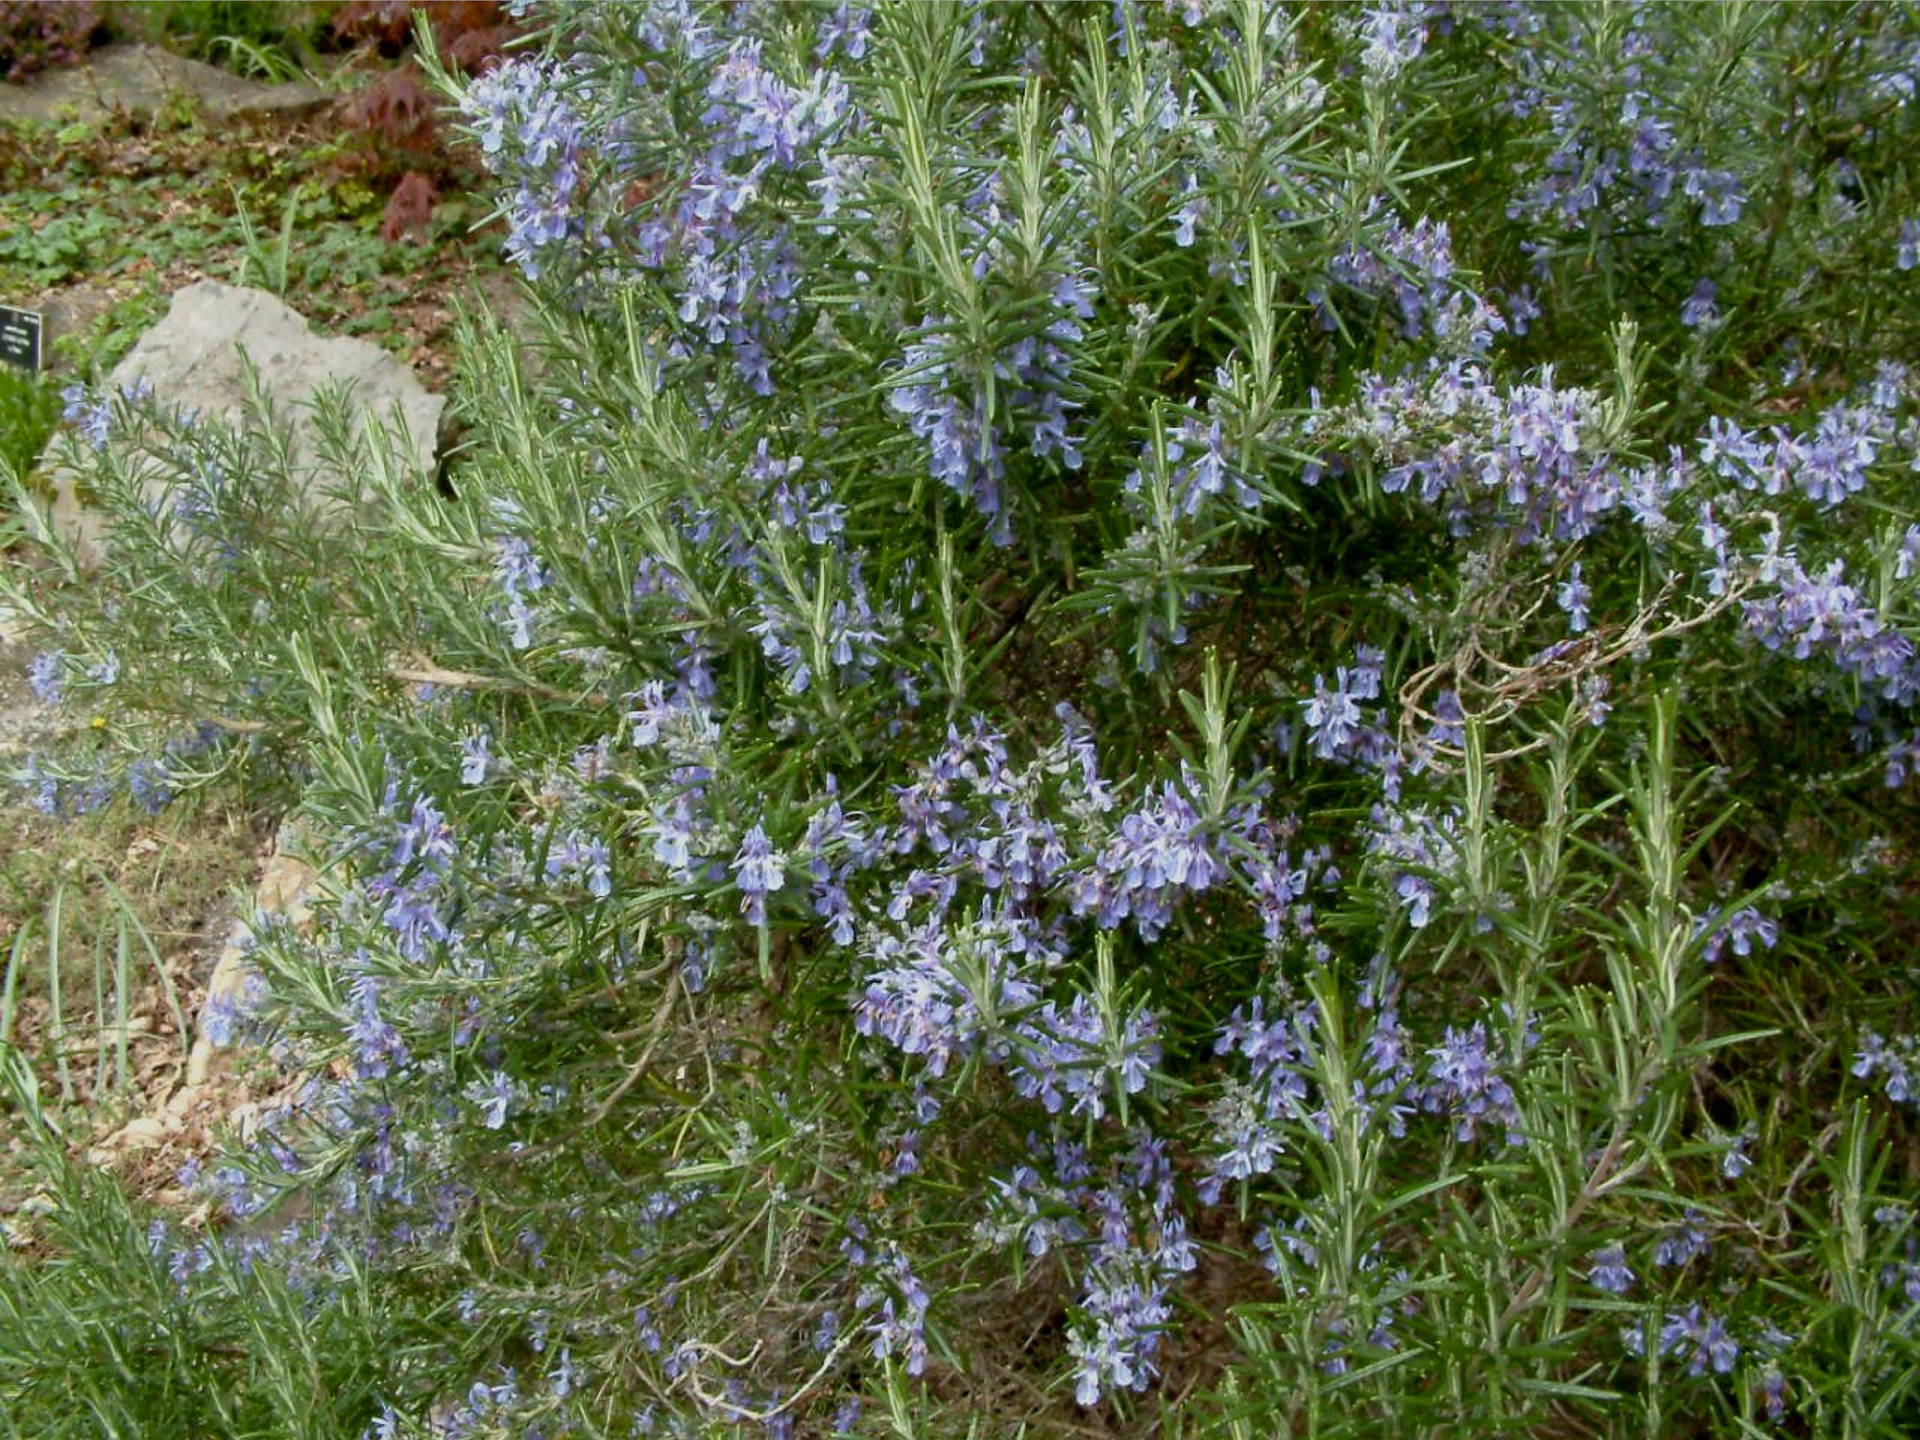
(35, 34)
(410, 208)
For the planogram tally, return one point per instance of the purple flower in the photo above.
(1679, 1244)
(1610, 1271)
(1454, 440)
(413, 914)
(495, 1098)
(1417, 848)
(1822, 612)
(1193, 208)
(845, 30)
(1115, 1354)
(474, 758)
(521, 575)
(826, 1330)
(898, 1302)
(1464, 1082)
(1909, 552)
(950, 416)
(1573, 597)
(218, 1019)
(677, 833)
(1906, 253)
(532, 135)
(1773, 1388)
(1897, 1059)
(759, 870)
(424, 839)
(93, 418)
(148, 785)
(1700, 308)
(1394, 35)
(583, 860)
(1449, 721)
(1702, 1338)
(1332, 715)
(1159, 852)
(932, 991)
(1720, 195)
(1200, 467)
(1068, 1058)
(379, 1048)
(46, 674)
(1740, 930)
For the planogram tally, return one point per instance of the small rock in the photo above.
(282, 893)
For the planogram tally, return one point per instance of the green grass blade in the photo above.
(57, 1024)
(16, 964)
(99, 1016)
(129, 921)
(122, 989)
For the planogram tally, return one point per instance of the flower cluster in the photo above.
(1466, 1083)
(528, 121)
(1251, 1121)
(794, 938)
(1821, 613)
(1624, 156)
(1895, 1061)
(1701, 1339)
(1458, 440)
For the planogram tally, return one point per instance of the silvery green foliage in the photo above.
(1127, 701)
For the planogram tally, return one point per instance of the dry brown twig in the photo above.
(1498, 699)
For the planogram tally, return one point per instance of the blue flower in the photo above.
(46, 674)
(475, 757)
(1464, 1082)
(379, 1046)
(1719, 193)
(1679, 1244)
(93, 418)
(1700, 308)
(1897, 1059)
(1394, 35)
(1610, 1270)
(759, 870)
(1702, 1338)
(148, 785)
(495, 1098)
(1573, 596)
(1193, 208)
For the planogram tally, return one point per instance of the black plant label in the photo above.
(20, 332)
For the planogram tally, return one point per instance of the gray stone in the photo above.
(193, 360)
(139, 81)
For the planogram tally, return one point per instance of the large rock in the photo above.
(139, 80)
(193, 359)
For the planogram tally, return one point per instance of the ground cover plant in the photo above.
(123, 210)
(1135, 719)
